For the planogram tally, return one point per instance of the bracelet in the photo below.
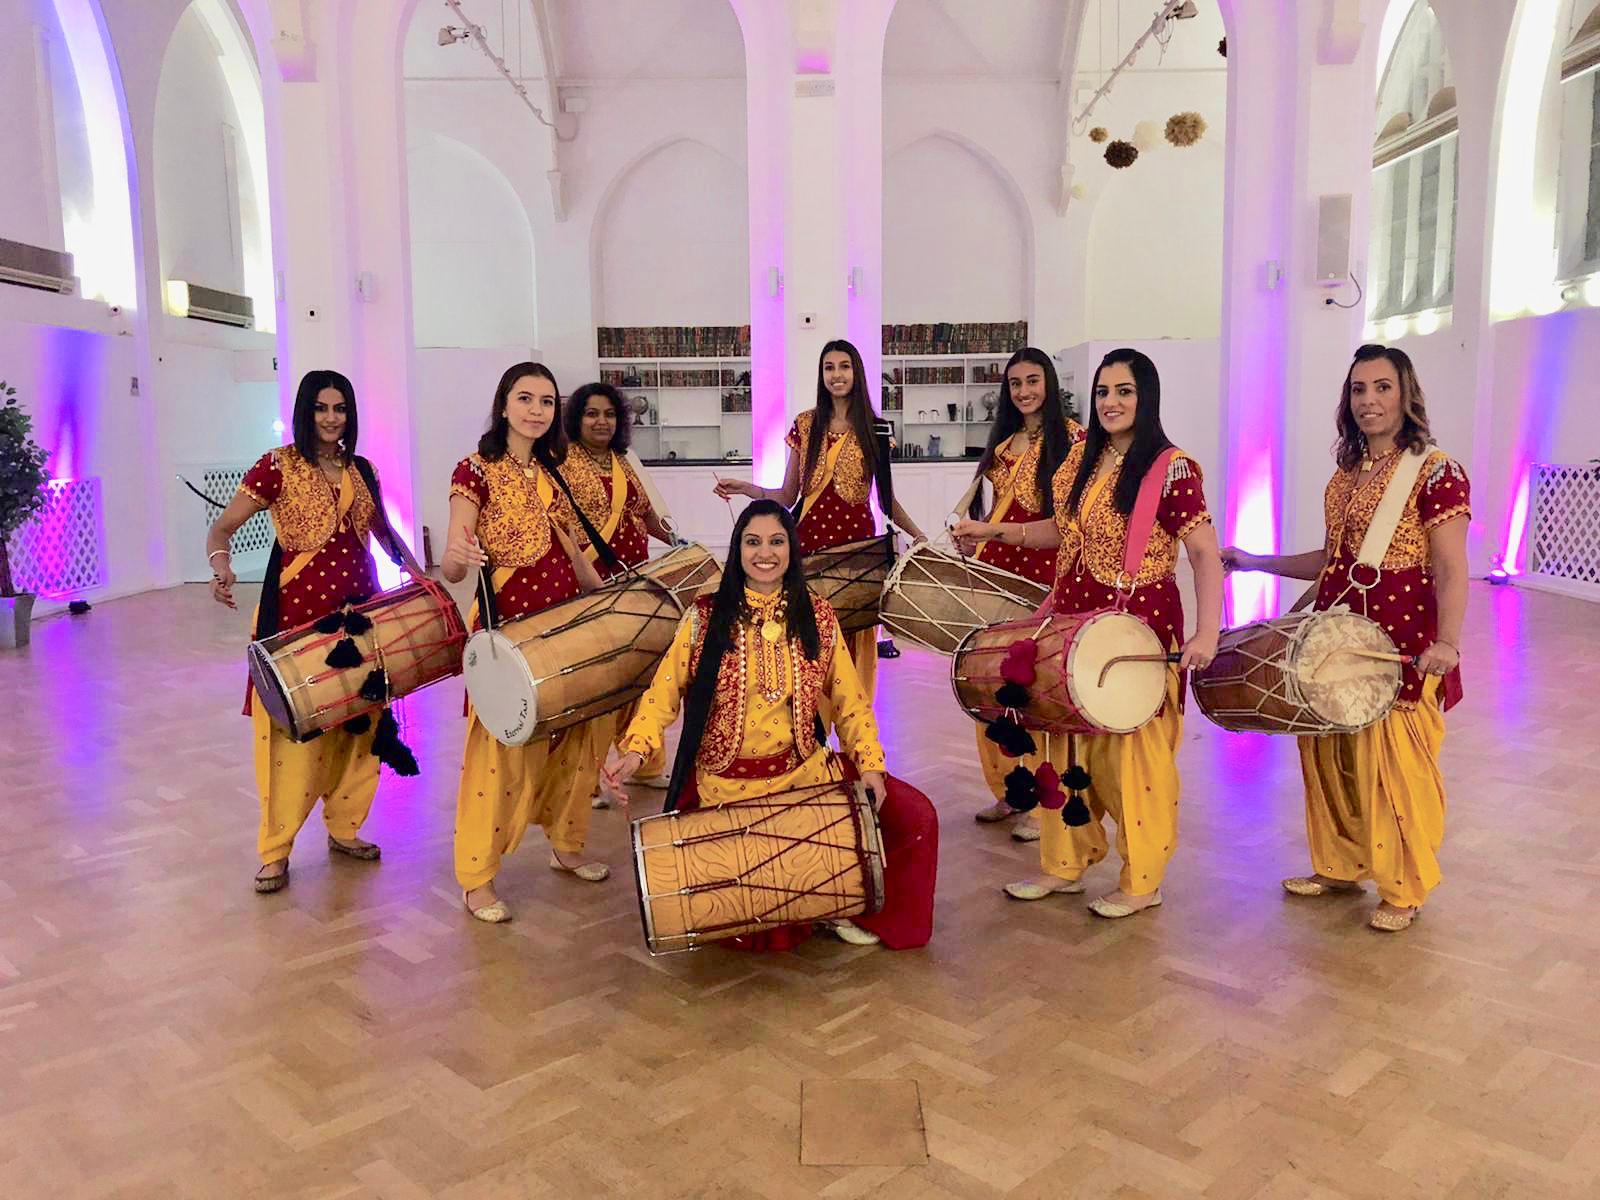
(1452, 645)
(214, 553)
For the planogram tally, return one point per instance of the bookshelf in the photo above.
(942, 405)
(685, 409)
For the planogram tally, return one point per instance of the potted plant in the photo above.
(22, 480)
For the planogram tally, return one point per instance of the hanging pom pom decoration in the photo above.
(355, 623)
(1146, 135)
(1076, 778)
(1012, 695)
(375, 687)
(1222, 47)
(1185, 128)
(1018, 665)
(1022, 793)
(357, 725)
(331, 623)
(344, 655)
(1076, 812)
(1121, 154)
(1014, 741)
(1099, 134)
(1048, 782)
(388, 749)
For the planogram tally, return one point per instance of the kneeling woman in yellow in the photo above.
(1134, 776)
(758, 663)
(1397, 509)
(325, 502)
(509, 516)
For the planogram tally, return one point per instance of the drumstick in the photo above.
(1122, 658)
(725, 499)
(1409, 660)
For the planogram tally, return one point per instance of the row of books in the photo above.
(673, 341)
(944, 337)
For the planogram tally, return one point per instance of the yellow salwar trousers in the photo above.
(1375, 801)
(864, 655)
(337, 768)
(655, 764)
(1134, 780)
(504, 789)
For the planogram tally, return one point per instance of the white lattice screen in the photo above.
(219, 483)
(1565, 535)
(60, 551)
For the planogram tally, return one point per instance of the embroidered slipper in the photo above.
(365, 851)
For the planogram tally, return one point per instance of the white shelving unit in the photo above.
(687, 419)
(941, 396)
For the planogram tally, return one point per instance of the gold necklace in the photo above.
(601, 464)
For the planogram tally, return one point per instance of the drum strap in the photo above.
(1142, 521)
(1391, 508)
(830, 460)
(600, 545)
(619, 505)
(651, 492)
(1008, 493)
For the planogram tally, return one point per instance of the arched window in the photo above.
(1412, 257)
(1578, 187)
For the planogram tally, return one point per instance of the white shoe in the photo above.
(1025, 829)
(1116, 909)
(600, 800)
(849, 931)
(1038, 889)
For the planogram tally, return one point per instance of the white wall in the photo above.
(30, 202)
(957, 245)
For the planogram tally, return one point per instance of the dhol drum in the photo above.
(1098, 672)
(416, 638)
(806, 855)
(850, 577)
(935, 598)
(585, 657)
(1308, 672)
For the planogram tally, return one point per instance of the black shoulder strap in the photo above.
(884, 431)
(267, 608)
(387, 539)
(602, 547)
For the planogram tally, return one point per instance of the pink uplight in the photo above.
(1252, 596)
(1517, 527)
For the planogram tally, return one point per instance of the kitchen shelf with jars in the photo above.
(685, 409)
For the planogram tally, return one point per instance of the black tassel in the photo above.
(1076, 779)
(375, 687)
(345, 654)
(331, 623)
(357, 725)
(355, 624)
(390, 750)
(1022, 790)
(1075, 812)
(356, 598)
(1012, 695)
(1014, 741)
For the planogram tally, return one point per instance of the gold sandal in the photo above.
(1311, 885)
(366, 851)
(267, 884)
(1387, 918)
(492, 914)
(589, 872)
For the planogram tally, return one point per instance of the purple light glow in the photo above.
(1517, 526)
(1251, 596)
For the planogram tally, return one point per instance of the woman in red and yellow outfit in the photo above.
(760, 663)
(1134, 775)
(1375, 799)
(508, 514)
(832, 447)
(324, 502)
(1030, 439)
(610, 493)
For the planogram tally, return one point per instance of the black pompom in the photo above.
(345, 654)
(357, 725)
(1012, 695)
(1075, 812)
(1076, 779)
(1022, 789)
(355, 624)
(388, 749)
(331, 623)
(375, 687)
(1013, 739)
(357, 598)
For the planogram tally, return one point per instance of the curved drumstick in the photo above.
(1122, 658)
(1409, 660)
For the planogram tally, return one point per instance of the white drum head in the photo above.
(1133, 691)
(501, 687)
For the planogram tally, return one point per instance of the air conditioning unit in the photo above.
(210, 304)
(36, 267)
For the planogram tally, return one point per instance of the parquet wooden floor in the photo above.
(164, 1032)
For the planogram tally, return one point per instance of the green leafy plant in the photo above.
(22, 477)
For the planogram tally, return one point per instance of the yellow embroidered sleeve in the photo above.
(852, 715)
(658, 708)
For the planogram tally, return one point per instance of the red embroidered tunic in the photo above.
(843, 512)
(514, 529)
(305, 516)
(1090, 557)
(1403, 601)
(592, 489)
(1026, 505)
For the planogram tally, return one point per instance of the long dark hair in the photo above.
(550, 450)
(305, 413)
(1415, 435)
(1149, 439)
(728, 609)
(861, 414)
(572, 414)
(1007, 420)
